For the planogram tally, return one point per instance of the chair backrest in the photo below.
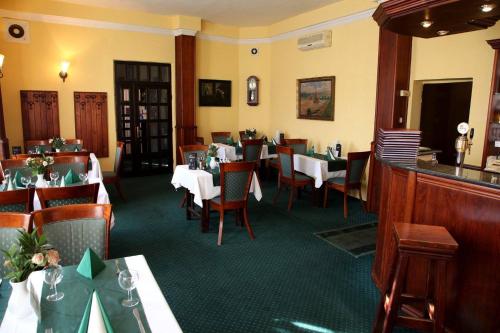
(199, 140)
(70, 195)
(10, 224)
(14, 165)
(235, 180)
(299, 145)
(72, 229)
(188, 149)
(252, 150)
(53, 154)
(356, 165)
(43, 145)
(118, 157)
(62, 164)
(72, 144)
(285, 162)
(20, 201)
(220, 137)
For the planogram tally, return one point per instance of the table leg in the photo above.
(205, 216)
(189, 205)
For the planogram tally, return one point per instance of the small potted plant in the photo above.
(38, 166)
(30, 253)
(211, 155)
(57, 143)
(251, 133)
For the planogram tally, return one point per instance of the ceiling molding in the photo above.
(175, 32)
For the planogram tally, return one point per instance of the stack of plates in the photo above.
(398, 145)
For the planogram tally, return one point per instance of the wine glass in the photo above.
(127, 279)
(25, 181)
(6, 173)
(53, 275)
(83, 177)
(54, 176)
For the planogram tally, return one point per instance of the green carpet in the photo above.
(286, 280)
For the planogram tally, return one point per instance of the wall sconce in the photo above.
(63, 74)
(252, 91)
(2, 57)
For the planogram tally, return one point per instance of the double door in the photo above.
(144, 121)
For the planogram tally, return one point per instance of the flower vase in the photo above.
(40, 182)
(213, 163)
(19, 302)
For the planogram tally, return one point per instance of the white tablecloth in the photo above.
(315, 168)
(229, 152)
(95, 172)
(158, 314)
(201, 185)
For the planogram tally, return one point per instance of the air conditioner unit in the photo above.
(315, 41)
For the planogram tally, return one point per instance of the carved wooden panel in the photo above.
(40, 114)
(91, 121)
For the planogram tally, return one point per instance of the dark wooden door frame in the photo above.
(4, 142)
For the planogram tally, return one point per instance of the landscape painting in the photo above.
(316, 98)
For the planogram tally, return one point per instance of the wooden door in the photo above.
(40, 114)
(91, 121)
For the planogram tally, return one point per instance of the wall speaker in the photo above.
(254, 51)
(16, 31)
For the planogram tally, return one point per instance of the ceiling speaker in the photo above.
(16, 31)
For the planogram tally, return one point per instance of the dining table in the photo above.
(319, 167)
(203, 186)
(66, 315)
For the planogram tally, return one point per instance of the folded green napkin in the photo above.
(71, 178)
(230, 141)
(90, 265)
(17, 180)
(95, 302)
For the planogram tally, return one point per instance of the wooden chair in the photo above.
(356, 165)
(220, 137)
(74, 228)
(10, 224)
(72, 144)
(299, 145)
(235, 180)
(288, 175)
(14, 165)
(78, 164)
(243, 136)
(199, 140)
(185, 151)
(69, 195)
(113, 177)
(20, 201)
(53, 154)
(30, 146)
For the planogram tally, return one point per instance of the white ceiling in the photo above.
(230, 12)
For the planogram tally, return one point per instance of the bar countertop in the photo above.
(481, 178)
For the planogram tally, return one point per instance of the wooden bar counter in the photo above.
(467, 203)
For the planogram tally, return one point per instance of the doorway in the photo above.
(143, 93)
(444, 106)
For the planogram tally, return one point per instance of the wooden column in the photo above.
(394, 61)
(185, 72)
(4, 142)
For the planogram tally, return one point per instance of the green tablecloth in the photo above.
(333, 165)
(65, 315)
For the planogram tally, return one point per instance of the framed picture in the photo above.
(316, 98)
(214, 92)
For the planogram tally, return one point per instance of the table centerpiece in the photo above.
(38, 166)
(57, 143)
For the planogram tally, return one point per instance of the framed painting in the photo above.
(214, 92)
(316, 98)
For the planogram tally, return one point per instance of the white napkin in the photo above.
(330, 154)
(63, 182)
(239, 143)
(10, 184)
(277, 137)
(274, 142)
(96, 322)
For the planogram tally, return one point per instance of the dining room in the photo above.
(226, 166)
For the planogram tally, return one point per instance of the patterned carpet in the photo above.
(286, 280)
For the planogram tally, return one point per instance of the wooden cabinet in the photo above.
(40, 114)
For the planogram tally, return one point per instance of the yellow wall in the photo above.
(457, 57)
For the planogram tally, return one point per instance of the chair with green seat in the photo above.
(288, 176)
(70, 195)
(113, 177)
(356, 165)
(37, 146)
(252, 150)
(20, 201)
(14, 165)
(235, 180)
(220, 137)
(10, 225)
(185, 152)
(77, 163)
(72, 145)
(74, 228)
(299, 146)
